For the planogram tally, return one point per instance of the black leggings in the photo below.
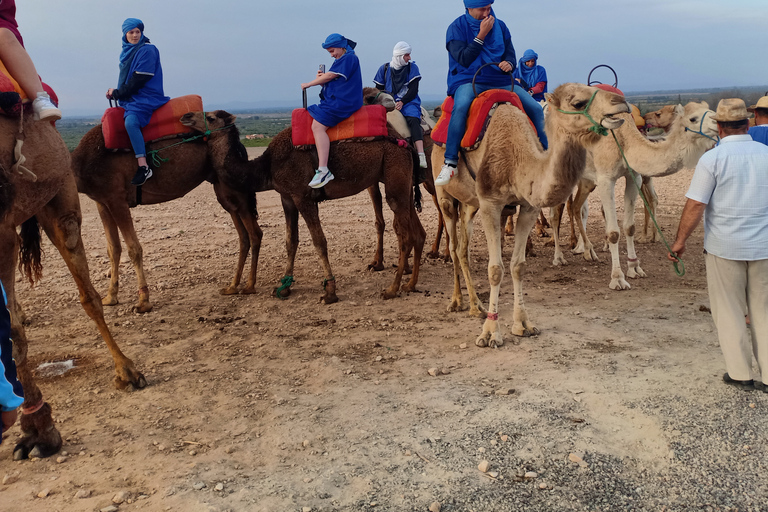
(414, 124)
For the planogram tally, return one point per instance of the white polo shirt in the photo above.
(732, 180)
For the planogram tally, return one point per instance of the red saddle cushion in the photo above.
(369, 121)
(8, 84)
(164, 122)
(609, 88)
(478, 115)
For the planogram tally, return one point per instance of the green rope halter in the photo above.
(596, 127)
(679, 271)
(285, 283)
(154, 154)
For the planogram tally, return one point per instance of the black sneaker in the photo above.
(143, 173)
(746, 385)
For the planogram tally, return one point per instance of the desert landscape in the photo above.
(260, 404)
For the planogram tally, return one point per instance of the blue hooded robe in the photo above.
(342, 96)
(531, 76)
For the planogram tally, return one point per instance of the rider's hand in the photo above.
(485, 27)
(505, 66)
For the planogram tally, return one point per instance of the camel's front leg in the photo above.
(490, 215)
(580, 212)
(311, 216)
(555, 215)
(122, 216)
(245, 247)
(467, 216)
(291, 246)
(449, 207)
(417, 237)
(605, 188)
(378, 258)
(650, 235)
(114, 251)
(61, 221)
(630, 195)
(521, 325)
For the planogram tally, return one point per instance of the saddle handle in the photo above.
(474, 90)
(615, 76)
(304, 98)
(110, 103)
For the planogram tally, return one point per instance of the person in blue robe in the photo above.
(340, 97)
(472, 40)
(400, 78)
(759, 132)
(139, 90)
(531, 76)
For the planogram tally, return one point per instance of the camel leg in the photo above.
(633, 263)
(41, 439)
(245, 247)
(378, 206)
(311, 216)
(410, 235)
(114, 251)
(418, 236)
(606, 190)
(509, 226)
(555, 216)
(122, 216)
(449, 207)
(542, 225)
(466, 226)
(61, 221)
(650, 235)
(291, 245)
(435, 251)
(521, 325)
(580, 211)
(569, 207)
(490, 215)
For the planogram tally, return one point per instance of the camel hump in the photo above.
(163, 123)
(479, 116)
(369, 121)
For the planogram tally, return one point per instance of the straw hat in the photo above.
(761, 103)
(731, 109)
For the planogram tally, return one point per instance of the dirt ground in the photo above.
(257, 404)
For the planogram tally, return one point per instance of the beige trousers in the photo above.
(738, 288)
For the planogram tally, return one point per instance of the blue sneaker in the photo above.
(320, 178)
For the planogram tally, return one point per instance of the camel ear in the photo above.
(226, 116)
(705, 104)
(552, 100)
(679, 110)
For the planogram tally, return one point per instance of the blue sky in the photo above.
(258, 52)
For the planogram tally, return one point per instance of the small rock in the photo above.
(11, 478)
(219, 487)
(445, 371)
(542, 485)
(484, 466)
(752, 406)
(161, 447)
(120, 497)
(110, 508)
(505, 391)
(435, 506)
(493, 474)
(61, 460)
(82, 493)
(407, 453)
(192, 452)
(578, 460)
(44, 493)
(433, 372)
(305, 443)
(379, 358)
(463, 346)
(306, 509)
(229, 450)
(531, 474)
(505, 438)
(199, 486)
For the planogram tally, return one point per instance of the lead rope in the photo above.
(154, 154)
(679, 271)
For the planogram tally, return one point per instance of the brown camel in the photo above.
(512, 169)
(105, 177)
(46, 198)
(356, 166)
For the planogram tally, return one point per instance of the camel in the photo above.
(356, 166)
(691, 134)
(662, 118)
(512, 169)
(45, 196)
(105, 176)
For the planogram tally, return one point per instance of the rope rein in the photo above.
(596, 127)
(700, 132)
(154, 154)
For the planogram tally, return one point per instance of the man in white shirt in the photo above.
(730, 188)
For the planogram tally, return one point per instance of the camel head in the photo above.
(662, 118)
(572, 105)
(373, 96)
(699, 132)
(204, 121)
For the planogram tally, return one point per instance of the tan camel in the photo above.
(690, 136)
(356, 165)
(105, 176)
(512, 169)
(662, 118)
(48, 198)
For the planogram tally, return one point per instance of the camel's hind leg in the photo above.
(291, 245)
(466, 226)
(630, 196)
(378, 206)
(311, 216)
(122, 217)
(245, 247)
(521, 325)
(579, 206)
(61, 221)
(607, 197)
(650, 235)
(449, 207)
(555, 216)
(114, 251)
(435, 251)
(490, 215)
(417, 236)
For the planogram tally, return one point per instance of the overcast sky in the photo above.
(259, 52)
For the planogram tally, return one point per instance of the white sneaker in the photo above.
(446, 173)
(320, 178)
(44, 109)
(422, 160)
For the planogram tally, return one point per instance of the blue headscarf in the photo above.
(474, 4)
(533, 75)
(129, 50)
(339, 41)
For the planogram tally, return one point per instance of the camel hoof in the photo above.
(433, 255)
(408, 288)
(41, 439)
(376, 267)
(248, 290)
(619, 284)
(550, 243)
(109, 301)
(131, 380)
(525, 331)
(229, 290)
(329, 299)
(283, 294)
(492, 340)
(143, 307)
(559, 260)
(478, 312)
(388, 294)
(457, 305)
(634, 273)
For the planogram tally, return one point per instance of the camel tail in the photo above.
(30, 252)
(416, 187)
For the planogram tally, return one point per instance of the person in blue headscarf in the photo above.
(531, 76)
(139, 90)
(472, 40)
(400, 77)
(341, 96)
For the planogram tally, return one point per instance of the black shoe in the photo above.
(143, 173)
(746, 385)
(760, 386)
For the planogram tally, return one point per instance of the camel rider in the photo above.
(400, 78)
(20, 65)
(474, 39)
(341, 96)
(139, 90)
(759, 132)
(531, 76)
(11, 393)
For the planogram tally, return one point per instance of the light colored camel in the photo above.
(662, 118)
(688, 139)
(105, 177)
(46, 198)
(512, 169)
(356, 166)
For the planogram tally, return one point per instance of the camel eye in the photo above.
(580, 104)
(693, 119)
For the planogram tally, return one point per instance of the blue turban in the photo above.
(474, 4)
(339, 41)
(129, 50)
